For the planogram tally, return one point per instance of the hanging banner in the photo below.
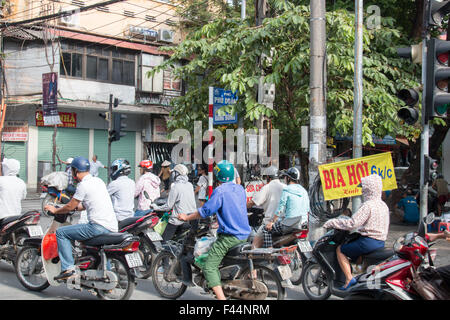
(50, 98)
(67, 119)
(339, 179)
(15, 131)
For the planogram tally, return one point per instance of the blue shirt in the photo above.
(411, 209)
(294, 202)
(229, 201)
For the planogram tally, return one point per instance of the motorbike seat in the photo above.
(279, 241)
(108, 238)
(378, 255)
(236, 250)
(7, 220)
(128, 221)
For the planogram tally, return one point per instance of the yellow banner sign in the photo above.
(339, 179)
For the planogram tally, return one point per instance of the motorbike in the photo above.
(52, 196)
(106, 265)
(322, 275)
(245, 272)
(296, 237)
(393, 279)
(13, 232)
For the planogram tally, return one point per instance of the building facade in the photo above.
(96, 53)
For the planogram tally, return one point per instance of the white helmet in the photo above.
(181, 169)
(271, 171)
(69, 160)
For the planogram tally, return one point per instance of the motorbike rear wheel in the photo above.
(125, 285)
(314, 277)
(49, 199)
(30, 270)
(166, 284)
(270, 279)
(296, 268)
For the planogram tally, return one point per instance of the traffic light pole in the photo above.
(110, 124)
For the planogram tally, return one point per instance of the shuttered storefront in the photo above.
(18, 151)
(124, 148)
(70, 142)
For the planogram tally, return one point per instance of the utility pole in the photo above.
(110, 127)
(317, 108)
(358, 91)
(240, 166)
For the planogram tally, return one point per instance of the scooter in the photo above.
(393, 279)
(106, 265)
(13, 232)
(322, 276)
(53, 196)
(245, 272)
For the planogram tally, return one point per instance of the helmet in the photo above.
(81, 164)
(224, 171)
(69, 160)
(146, 164)
(271, 171)
(181, 169)
(119, 167)
(292, 173)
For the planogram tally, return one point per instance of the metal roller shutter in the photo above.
(124, 148)
(18, 151)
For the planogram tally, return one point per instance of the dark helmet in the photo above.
(81, 164)
(292, 173)
(120, 167)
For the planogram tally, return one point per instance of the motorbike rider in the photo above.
(147, 187)
(121, 189)
(70, 186)
(268, 198)
(228, 201)
(372, 222)
(202, 185)
(12, 189)
(294, 203)
(181, 199)
(91, 195)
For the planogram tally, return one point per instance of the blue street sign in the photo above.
(222, 98)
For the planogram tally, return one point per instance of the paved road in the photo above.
(11, 289)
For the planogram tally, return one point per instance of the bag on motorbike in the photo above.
(162, 224)
(430, 285)
(57, 179)
(50, 246)
(203, 245)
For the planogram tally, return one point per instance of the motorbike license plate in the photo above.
(35, 231)
(285, 272)
(134, 260)
(304, 246)
(154, 236)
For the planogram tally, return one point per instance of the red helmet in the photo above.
(146, 164)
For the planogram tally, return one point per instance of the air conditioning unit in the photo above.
(165, 35)
(70, 20)
(139, 32)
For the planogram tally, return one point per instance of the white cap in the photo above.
(181, 169)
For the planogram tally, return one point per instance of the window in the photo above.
(98, 63)
(170, 82)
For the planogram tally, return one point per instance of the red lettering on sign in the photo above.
(340, 178)
(326, 177)
(352, 174)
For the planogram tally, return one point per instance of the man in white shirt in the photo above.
(91, 195)
(95, 165)
(268, 198)
(121, 189)
(12, 189)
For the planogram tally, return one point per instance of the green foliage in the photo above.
(226, 53)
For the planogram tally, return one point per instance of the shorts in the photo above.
(361, 246)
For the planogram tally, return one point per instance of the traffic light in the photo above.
(437, 97)
(118, 125)
(436, 12)
(414, 53)
(105, 115)
(431, 166)
(410, 97)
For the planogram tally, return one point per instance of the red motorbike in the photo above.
(393, 279)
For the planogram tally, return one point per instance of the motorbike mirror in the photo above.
(430, 218)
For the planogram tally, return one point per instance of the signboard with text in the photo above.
(15, 131)
(340, 179)
(67, 119)
(50, 98)
(221, 99)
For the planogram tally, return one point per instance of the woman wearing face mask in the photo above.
(372, 222)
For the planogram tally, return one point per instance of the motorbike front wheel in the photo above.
(30, 270)
(147, 255)
(270, 279)
(165, 283)
(315, 282)
(125, 284)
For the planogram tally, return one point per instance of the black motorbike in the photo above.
(245, 273)
(322, 275)
(14, 230)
